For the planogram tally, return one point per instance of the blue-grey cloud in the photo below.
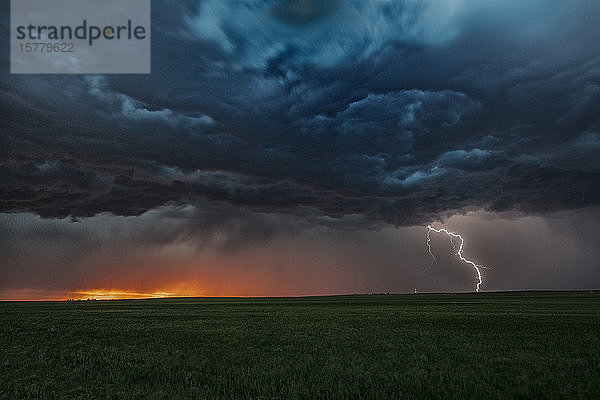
(398, 111)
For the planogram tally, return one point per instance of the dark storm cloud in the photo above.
(401, 112)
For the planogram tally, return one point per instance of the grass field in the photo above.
(466, 346)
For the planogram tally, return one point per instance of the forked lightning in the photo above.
(458, 251)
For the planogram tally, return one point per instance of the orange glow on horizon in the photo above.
(113, 294)
(123, 294)
(268, 271)
(102, 294)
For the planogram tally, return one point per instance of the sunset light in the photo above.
(120, 295)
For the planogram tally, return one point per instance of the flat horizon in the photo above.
(537, 291)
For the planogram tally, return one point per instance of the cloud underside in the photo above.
(401, 112)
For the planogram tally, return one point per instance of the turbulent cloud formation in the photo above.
(400, 112)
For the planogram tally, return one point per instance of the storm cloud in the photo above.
(288, 147)
(400, 111)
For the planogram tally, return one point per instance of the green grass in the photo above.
(467, 346)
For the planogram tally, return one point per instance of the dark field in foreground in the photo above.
(504, 345)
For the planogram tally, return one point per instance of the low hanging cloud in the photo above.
(400, 112)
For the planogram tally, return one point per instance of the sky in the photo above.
(302, 147)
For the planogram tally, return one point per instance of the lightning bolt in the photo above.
(457, 251)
